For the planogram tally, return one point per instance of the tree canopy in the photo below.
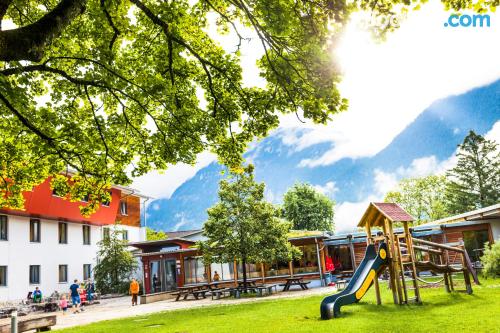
(115, 264)
(152, 234)
(107, 90)
(423, 198)
(242, 226)
(475, 181)
(307, 208)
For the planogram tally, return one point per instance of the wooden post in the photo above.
(262, 272)
(208, 269)
(369, 240)
(468, 286)
(402, 271)
(353, 254)
(393, 262)
(235, 268)
(411, 252)
(290, 268)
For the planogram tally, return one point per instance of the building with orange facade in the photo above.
(49, 243)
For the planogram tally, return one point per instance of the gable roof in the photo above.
(378, 211)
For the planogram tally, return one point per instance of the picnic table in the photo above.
(295, 281)
(196, 290)
(249, 283)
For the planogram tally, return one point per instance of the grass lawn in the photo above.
(440, 312)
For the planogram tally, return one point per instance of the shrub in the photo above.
(491, 259)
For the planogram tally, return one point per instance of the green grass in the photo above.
(440, 312)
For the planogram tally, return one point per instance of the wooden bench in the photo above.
(220, 293)
(196, 294)
(267, 288)
(40, 324)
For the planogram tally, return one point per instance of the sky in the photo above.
(388, 84)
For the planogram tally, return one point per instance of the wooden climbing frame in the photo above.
(401, 253)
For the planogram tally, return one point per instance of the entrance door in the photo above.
(170, 275)
(154, 269)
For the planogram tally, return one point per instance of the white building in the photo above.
(50, 244)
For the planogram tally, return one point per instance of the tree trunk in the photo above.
(29, 42)
(244, 262)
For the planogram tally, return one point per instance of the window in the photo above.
(35, 231)
(279, 268)
(194, 270)
(86, 234)
(58, 193)
(34, 274)
(123, 208)
(63, 233)
(253, 271)
(4, 230)
(225, 271)
(474, 243)
(106, 233)
(63, 273)
(3, 276)
(308, 262)
(125, 235)
(87, 271)
(106, 203)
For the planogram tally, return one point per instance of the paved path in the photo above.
(120, 307)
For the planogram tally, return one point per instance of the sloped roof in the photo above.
(182, 233)
(378, 211)
(481, 214)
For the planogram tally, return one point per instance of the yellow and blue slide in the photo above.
(368, 270)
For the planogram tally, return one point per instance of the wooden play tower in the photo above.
(402, 263)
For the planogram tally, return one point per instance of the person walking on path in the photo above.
(63, 304)
(75, 296)
(134, 291)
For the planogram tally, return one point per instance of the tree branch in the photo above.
(30, 42)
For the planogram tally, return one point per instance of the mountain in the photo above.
(435, 132)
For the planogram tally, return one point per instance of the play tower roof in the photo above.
(377, 211)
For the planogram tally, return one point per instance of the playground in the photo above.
(403, 302)
(450, 312)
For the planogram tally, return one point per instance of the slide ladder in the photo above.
(406, 264)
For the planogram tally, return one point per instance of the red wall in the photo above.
(41, 203)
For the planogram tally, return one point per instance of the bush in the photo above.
(491, 259)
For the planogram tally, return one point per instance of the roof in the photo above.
(299, 234)
(182, 233)
(484, 213)
(378, 211)
(160, 242)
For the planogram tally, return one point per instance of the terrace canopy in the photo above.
(378, 211)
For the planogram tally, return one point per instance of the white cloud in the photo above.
(494, 133)
(162, 184)
(328, 189)
(389, 84)
(348, 214)
(384, 181)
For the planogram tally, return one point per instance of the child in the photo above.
(63, 304)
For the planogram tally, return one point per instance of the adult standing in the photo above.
(75, 296)
(90, 289)
(134, 291)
